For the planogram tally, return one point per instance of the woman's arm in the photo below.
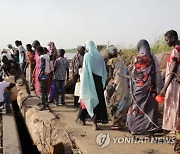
(170, 76)
(110, 73)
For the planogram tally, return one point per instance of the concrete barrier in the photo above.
(43, 126)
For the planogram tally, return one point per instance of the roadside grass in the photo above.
(73, 50)
(128, 54)
(160, 46)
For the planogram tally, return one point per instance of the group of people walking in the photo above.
(47, 66)
(103, 86)
(109, 91)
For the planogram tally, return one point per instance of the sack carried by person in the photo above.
(77, 89)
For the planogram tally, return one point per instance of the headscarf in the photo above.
(93, 63)
(143, 63)
(52, 48)
(112, 51)
(96, 61)
(143, 48)
(146, 64)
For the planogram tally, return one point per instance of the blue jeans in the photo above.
(59, 86)
(7, 100)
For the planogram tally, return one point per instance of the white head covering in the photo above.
(96, 61)
(93, 63)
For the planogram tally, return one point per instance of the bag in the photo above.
(52, 91)
(77, 89)
(43, 77)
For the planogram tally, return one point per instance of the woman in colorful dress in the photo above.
(117, 88)
(171, 89)
(94, 76)
(142, 117)
(30, 55)
(35, 44)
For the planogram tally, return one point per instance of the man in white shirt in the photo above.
(13, 52)
(22, 56)
(5, 53)
(4, 96)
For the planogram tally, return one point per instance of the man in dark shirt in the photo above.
(61, 67)
(77, 63)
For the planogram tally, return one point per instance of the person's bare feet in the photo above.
(81, 122)
(95, 127)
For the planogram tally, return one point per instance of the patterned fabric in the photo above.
(141, 76)
(37, 70)
(61, 64)
(77, 62)
(117, 91)
(30, 55)
(172, 97)
(142, 117)
(158, 76)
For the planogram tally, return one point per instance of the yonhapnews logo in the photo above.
(103, 140)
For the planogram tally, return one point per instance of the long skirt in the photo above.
(142, 117)
(100, 111)
(171, 106)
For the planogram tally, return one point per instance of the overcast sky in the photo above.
(69, 23)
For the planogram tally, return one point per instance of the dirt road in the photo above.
(107, 141)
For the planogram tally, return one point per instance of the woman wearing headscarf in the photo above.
(142, 117)
(117, 88)
(94, 76)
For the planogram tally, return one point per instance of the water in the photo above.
(69, 55)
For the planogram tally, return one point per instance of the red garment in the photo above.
(30, 55)
(170, 56)
(82, 104)
(37, 89)
(37, 67)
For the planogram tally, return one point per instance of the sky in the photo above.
(69, 23)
